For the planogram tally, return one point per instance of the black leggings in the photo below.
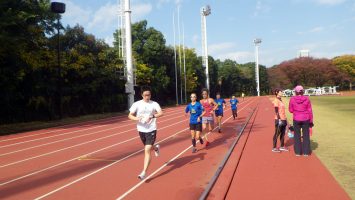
(279, 131)
(302, 145)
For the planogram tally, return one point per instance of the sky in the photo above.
(324, 27)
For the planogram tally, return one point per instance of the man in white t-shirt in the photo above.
(146, 111)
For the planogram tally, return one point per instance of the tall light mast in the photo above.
(257, 42)
(205, 11)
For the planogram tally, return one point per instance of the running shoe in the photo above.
(305, 155)
(219, 131)
(157, 150)
(141, 176)
(207, 143)
(298, 155)
(276, 150)
(194, 150)
(283, 149)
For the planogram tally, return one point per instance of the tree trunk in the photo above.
(350, 86)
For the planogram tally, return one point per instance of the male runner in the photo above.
(234, 103)
(145, 113)
(219, 112)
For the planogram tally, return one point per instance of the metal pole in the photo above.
(176, 84)
(129, 83)
(206, 56)
(257, 69)
(257, 41)
(59, 72)
(180, 53)
(183, 46)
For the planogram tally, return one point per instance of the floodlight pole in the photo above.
(176, 83)
(128, 35)
(180, 54)
(205, 11)
(59, 8)
(257, 42)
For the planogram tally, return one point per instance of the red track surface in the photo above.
(101, 160)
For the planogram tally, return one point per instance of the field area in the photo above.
(333, 137)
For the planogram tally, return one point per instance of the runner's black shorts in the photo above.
(196, 127)
(148, 138)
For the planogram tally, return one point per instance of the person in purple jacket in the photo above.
(301, 108)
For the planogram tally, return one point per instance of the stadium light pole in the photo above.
(128, 35)
(181, 101)
(176, 83)
(58, 8)
(205, 11)
(257, 42)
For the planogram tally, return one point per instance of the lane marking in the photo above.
(78, 125)
(45, 144)
(171, 160)
(68, 133)
(84, 177)
(87, 142)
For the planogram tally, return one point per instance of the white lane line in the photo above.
(90, 141)
(78, 125)
(86, 155)
(75, 137)
(98, 170)
(69, 133)
(60, 128)
(166, 164)
(84, 177)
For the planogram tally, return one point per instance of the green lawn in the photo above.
(333, 139)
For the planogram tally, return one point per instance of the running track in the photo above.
(101, 159)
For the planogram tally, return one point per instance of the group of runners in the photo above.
(202, 114)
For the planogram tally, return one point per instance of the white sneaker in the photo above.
(157, 150)
(141, 176)
(276, 150)
(283, 149)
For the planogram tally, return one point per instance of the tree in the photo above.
(346, 64)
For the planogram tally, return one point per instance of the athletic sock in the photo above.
(193, 142)
(201, 140)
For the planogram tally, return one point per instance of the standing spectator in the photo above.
(280, 122)
(301, 108)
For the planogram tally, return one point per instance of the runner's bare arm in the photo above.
(158, 114)
(214, 104)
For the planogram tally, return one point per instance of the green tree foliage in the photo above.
(346, 64)
(23, 50)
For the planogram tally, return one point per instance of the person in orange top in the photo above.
(280, 122)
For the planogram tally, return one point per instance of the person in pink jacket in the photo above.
(301, 108)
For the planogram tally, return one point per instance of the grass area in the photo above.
(333, 139)
(28, 126)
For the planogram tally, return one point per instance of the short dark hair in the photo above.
(204, 90)
(276, 91)
(218, 93)
(145, 88)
